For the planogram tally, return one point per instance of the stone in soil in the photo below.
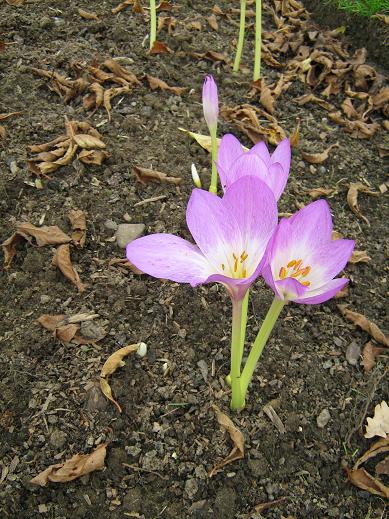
(323, 418)
(128, 232)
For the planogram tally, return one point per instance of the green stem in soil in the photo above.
(258, 40)
(259, 343)
(213, 186)
(237, 402)
(242, 26)
(243, 325)
(153, 23)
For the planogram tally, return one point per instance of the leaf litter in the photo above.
(362, 322)
(67, 328)
(62, 260)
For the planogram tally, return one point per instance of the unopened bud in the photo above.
(210, 102)
(195, 176)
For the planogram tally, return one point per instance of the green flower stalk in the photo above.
(211, 113)
(153, 23)
(242, 27)
(258, 40)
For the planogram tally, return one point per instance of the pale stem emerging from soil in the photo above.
(153, 23)
(242, 26)
(243, 325)
(258, 39)
(236, 396)
(259, 343)
(213, 186)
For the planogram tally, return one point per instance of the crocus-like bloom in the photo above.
(233, 163)
(302, 260)
(210, 102)
(231, 234)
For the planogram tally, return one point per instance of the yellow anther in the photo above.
(305, 283)
(234, 256)
(283, 272)
(297, 264)
(236, 265)
(244, 273)
(223, 266)
(243, 256)
(291, 264)
(306, 271)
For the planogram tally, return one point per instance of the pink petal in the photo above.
(213, 227)
(290, 289)
(314, 297)
(169, 257)
(329, 260)
(260, 149)
(282, 154)
(229, 150)
(247, 164)
(210, 101)
(254, 207)
(276, 179)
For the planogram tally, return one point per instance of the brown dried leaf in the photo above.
(77, 219)
(212, 22)
(352, 198)
(196, 25)
(379, 447)
(16, 3)
(145, 176)
(156, 83)
(122, 6)
(45, 235)
(88, 141)
(3, 117)
(383, 466)
(51, 322)
(311, 98)
(359, 256)
(124, 263)
(159, 48)
(63, 261)
(114, 362)
(266, 97)
(77, 466)
(294, 138)
(121, 72)
(318, 158)
(88, 15)
(322, 191)
(37, 148)
(369, 355)
(270, 504)
(237, 439)
(379, 424)
(213, 56)
(362, 479)
(2, 132)
(363, 323)
(342, 293)
(95, 157)
(110, 94)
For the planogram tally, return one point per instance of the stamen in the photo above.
(234, 256)
(297, 264)
(243, 256)
(236, 264)
(223, 266)
(306, 271)
(291, 264)
(244, 273)
(305, 283)
(282, 272)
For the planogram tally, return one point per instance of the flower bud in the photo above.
(195, 176)
(210, 102)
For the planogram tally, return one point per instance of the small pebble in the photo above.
(353, 353)
(323, 418)
(191, 488)
(110, 225)
(45, 299)
(128, 232)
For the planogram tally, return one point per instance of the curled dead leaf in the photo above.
(75, 467)
(203, 140)
(317, 192)
(63, 261)
(369, 355)
(66, 328)
(212, 22)
(88, 141)
(379, 424)
(124, 264)
(352, 198)
(160, 48)
(236, 437)
(156, 83)
(362, 322)
(359, 256)
(114, 362)
(87, 15)
(77, 219)
(383, 466)
(311, 98)
(318, 158)
(93, 157)
(145, 176)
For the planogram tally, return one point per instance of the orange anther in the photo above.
(243, 256)
(283, 272)
(291, 264)
(297, 264)
(305, 283)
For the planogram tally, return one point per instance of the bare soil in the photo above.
(167, 437)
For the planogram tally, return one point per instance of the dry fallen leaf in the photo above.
(322, 191)
(383, 466)
(78, 222)
(366, 325)
(122, 6)
(379, 424)
(237, 439)
(156, 83)
(359, 256)
(311, 98)
(66, 328)
(16, 3)
(352, 198)
(145, 176)
(159, 48)
(212, 22)
(114, 362)
(88, 15)
(88, 141)
(63, 261)
(123, 263)
(369, 355)
(318, 158)
(77, 466)
(270, 504)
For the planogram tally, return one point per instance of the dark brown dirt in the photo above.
(167, 434)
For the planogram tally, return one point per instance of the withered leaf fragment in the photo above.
(78, 222)
(322, 191)
(318, 158)
(88, 141)
(114, 362)
(160, 48)
(236, 437)
(16, 3)
(364, 323)
(379, 424)
(156, 83)
(352, 198)
(145, 176)
(66, 328)
(95, 157)
(369, 355)
(212, 22)
(359, 256)
(88, 15)
(75, 467)
(383, 466)
(63, 261)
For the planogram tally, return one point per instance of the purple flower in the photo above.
(231, 234)
(302, 259)
(210, 102)
(233, 163)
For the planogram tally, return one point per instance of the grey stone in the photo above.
(353, 353)
(110, 225)
(58, 438)
(128, 232)
(191, 488)
(45, 299)
(323, 418)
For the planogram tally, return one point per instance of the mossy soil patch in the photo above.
(167, 438)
